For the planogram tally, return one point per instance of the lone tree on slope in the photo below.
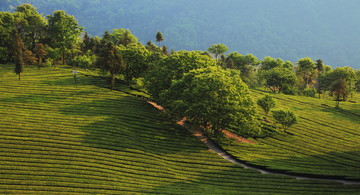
(18, 49)
(286, 118)
(266, 103)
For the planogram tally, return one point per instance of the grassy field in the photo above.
(326, 141)
(61, 137)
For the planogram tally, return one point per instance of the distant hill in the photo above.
(326, 29)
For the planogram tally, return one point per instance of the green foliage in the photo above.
(245, 63)
(7, 23)
(31, 25)
(286, 118)
(279, 78)
(53, 55)
(269, 63)
(136, 61)
(213, 98)
(307, 72)
(110, 60)
(84, 61)
(266, 103)
(288, 65)
(159, 37)
(123, 37)
(172, 68)
(63, 30)
(309, 92)
(218, 49)
(18, 50)
(339, 90)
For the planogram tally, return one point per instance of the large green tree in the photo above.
(279, 78)
(136, 60)
(110, 60)
(7, 24)
(269, 63)
(172, 68)
(213, 98)
(123, 37)
(346, 74)
(307, 72)
(339, 90)
(32, 27)
(245, 63)
(63, 30)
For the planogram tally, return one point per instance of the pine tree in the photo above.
(18, 55)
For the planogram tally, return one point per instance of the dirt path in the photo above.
(213, 147)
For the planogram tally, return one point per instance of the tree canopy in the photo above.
(217, 49)
(174, 67)
(63, 30)
(213, 98)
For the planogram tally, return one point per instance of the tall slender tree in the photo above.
(159, 37)
(18, 53)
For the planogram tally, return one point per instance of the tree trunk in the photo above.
(112, 81)
(63, 58)
(19, 76)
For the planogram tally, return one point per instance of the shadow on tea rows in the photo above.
(127, 122)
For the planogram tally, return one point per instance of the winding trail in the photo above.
(212, 146)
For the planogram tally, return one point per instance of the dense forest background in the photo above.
(326, 29)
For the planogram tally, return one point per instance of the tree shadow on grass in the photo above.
(350, 115)
(130, 123)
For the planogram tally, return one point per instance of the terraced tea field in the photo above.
(326, 141)
(61, 137)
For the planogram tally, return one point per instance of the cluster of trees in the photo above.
(306, 78)
(28, 38)
(190, 84)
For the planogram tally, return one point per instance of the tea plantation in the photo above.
(325, 142)
(60, 137)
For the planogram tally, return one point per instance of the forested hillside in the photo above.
(325, 29)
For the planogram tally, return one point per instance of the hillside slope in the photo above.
(57, 136)
(326, 141)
